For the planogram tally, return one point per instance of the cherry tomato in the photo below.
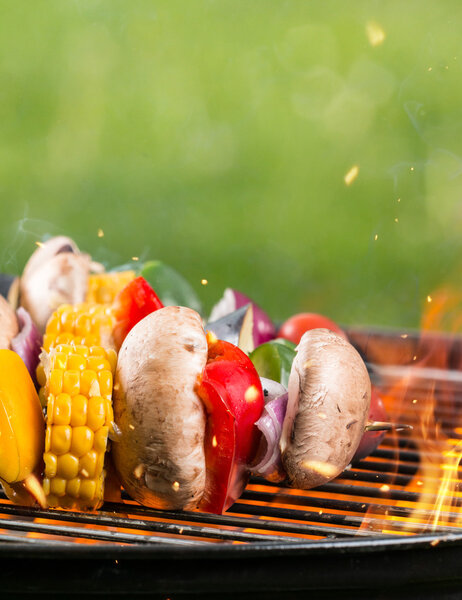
(295, 327)
(133, 303)
(232, 394)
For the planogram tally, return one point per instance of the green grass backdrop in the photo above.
(216, 135)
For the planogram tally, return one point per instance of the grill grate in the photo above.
(371, 507)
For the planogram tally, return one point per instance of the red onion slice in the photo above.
(28, 341)
(263, 327)
(270, 423)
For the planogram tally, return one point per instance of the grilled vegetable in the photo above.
(79, 417)
(296, 326)
(160, 453)
(171, 287)
(86, 324)
(273, 360)
(329, 397)
(22, 429)
(133, 303)
(56, 273)
(104, 287)
(231, 391)
(237, 328)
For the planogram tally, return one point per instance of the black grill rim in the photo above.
(69, 550)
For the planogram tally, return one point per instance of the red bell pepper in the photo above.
(133, 303)
(232, 394)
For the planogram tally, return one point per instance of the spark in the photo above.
(322, 415)
(84, 473)
(384, 488)
(414, 357)
(204, 281)
(308, 364)
(430, 69)
(320, 512)
(403, 336)
(175, 486)
(132, 427)
(396, 220)
(39, 244)
(414, 401)
(251, 393)
(446, 67)
(434, 542)
(399, 200)
(100, 233)
(420, 482)
(138, 471)
(351, 175)
(376, 237)
(412, 168)
(375, 34)
(429, 299)
(214, 441)
(135, 258)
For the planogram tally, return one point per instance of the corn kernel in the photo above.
(55, 385)
(99, 463)
(100, 441)
(96, 415)
(64, 338)
(54, 324)
(105, 383)
(51, 463)
(43, 396)
(62, 410)
(83, 325)
(87, 464)
(98, 363)
(50, 404)
(76, 362)
(82, 440)
(41, 376)
(109, 415)
(88, 379)
(46, 486)
(73, 487)
(112, 359)
(82, 350)
(48, 438)
(68, 466)
(79, 410)
(68, 320)
(87, 489)
(71, 382)
(60, 439)
(97, 351)
(58, 486)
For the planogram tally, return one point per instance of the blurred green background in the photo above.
(216, 136)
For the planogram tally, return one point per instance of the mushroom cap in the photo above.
(56, 273)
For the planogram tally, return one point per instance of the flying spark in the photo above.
(214, 441)
(375, 34)
(204, 281)
(175, 486)
(100, 233)
(429, 299)
(351, 175)
(384, 488)
(376, 237)
(39, 244)
(251, 393)
(396, 220)
(135, 258)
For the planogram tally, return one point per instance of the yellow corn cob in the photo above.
(79, 418)
(104, 287)
(86, 324)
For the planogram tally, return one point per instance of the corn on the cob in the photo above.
(85, 324)
(104, 287)
(79, 418)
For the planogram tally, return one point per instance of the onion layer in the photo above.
(270, 423)
(263, 327)
(28, 341)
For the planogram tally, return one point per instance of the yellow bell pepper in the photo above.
(22, 426)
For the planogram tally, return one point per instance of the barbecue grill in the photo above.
(371, 531)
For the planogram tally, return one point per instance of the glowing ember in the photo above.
(376, 237)
(214, 441)
(138, 472)
(39, 244)
(375, 34)
(204, 281)
(351, 175)
(100, 233)
(175, 486)
(385, 488)
(429, 299)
